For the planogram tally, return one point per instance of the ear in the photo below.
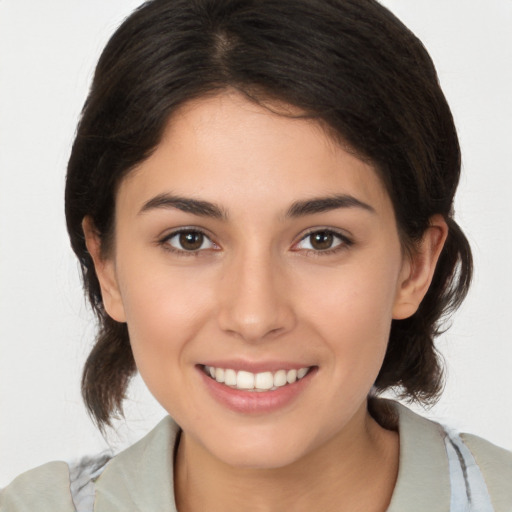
(418, 269)
(105, 271)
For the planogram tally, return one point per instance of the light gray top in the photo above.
(140, 479)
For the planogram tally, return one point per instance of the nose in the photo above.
(255, 301)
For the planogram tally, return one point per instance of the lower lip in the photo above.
(256, 402)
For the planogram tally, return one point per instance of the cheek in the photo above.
(351, 308)
(164, 309)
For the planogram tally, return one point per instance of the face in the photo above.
(251, 247)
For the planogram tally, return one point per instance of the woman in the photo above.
(260, 195)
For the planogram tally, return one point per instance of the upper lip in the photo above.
(255, 366)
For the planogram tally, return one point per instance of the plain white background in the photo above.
(47, 54)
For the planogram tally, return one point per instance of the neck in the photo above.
(354, 471)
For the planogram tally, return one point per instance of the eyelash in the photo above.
(164, 242)
(344, 242)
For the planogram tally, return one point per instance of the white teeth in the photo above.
(291, 376)
(219, 374)
(245, 380)
(280, 378)
(263, 381)
(230, 377)
(302, 372)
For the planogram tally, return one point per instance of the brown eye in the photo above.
(321, 240)
(189, 241)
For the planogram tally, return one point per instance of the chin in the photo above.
(259, 450)
(261, 459)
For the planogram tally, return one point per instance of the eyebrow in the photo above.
(297, 209)
(185, 204)
(325, 204)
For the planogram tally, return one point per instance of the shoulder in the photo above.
(495, 463)
(436, 460)
(139, 478)
(55, 487)
(45, 488)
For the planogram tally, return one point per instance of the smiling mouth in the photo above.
(256, 382)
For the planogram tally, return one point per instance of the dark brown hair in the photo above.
(350, 64)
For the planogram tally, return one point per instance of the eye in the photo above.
(190, 240)
(323, 240)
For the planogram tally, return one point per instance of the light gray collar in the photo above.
(423, 483)
(141, 477)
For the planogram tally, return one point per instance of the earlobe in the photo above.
(418, 270)
(105, 271)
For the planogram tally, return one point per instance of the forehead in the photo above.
(230, 150)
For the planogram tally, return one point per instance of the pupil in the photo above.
(322, 240)
(191, 241)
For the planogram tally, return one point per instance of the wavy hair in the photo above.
(350, 64)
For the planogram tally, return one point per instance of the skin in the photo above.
(259, 290)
